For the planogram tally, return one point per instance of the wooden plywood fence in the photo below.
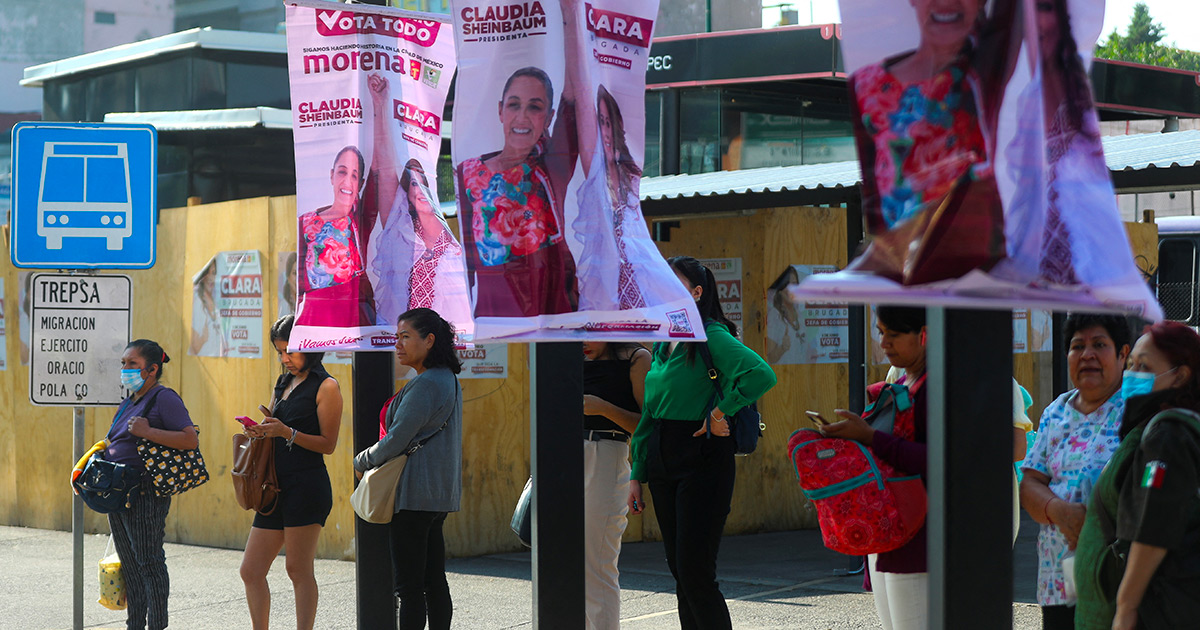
(35, 442)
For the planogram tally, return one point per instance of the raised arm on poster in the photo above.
(555, 252)
(376, 245)
(984, 182)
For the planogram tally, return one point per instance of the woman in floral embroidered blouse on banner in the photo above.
(512, 207)
(922, 126)
(1077, 435)
(333, 287)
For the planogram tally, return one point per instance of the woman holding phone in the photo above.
(303, 419)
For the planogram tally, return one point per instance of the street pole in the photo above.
(970, 410)
(78, 449)
(556, 447)
(375, 603)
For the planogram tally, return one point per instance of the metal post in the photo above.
(970, 457)
(556, 446)
(857, 324)
(78, 449)
(375, 603)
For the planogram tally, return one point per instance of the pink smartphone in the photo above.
(246, 422)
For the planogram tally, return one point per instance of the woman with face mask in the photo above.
(1076, 437)
(155, 413)
(1152, 516)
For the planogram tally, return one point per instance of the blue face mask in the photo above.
(132, 379)
(1139, 383)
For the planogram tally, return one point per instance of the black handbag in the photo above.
(104, 486)
(745, 426)
(170, 470)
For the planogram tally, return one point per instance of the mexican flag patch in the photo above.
(1153, 477)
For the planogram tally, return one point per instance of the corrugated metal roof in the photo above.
(757, 180)
(209, 119)
(1159, 150)
(1122, 153)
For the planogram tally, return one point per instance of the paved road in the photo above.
(776, 581)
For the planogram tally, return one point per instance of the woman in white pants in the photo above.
(614, 376)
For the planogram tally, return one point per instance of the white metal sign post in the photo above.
(80, 327)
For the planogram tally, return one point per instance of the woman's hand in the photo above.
(1125, 619)
(270, 427)
(593, 405)
(1069, 519)
(851, 427)
(719, 425)
(636, 505)
(139, 427)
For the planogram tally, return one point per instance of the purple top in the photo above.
(168, 414)
(908, 458)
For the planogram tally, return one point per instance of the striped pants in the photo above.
(138, 536)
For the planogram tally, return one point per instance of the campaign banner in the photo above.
(728, 274)
(805, 333)
(287, 303)
(3, 331)
(368, 87)
(548, 147)
(984, 180)
(227, 306)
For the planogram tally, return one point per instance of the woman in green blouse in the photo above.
(691, 473)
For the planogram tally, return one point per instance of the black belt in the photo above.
(596, 436)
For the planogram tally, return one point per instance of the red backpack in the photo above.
(863, 505)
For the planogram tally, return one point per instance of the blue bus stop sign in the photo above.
(84, 195)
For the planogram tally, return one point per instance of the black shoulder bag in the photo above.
(745, 426)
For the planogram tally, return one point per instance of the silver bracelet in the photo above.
(291, 440)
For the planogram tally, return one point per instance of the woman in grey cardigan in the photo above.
(426, 414)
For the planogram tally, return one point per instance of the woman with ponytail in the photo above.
(156, 413)
(683, 449)
(426, 414)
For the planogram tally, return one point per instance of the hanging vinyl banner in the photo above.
(548, 147)
(368, 87)
(984, 180)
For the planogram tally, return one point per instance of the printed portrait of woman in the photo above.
(511, 204)
(1057, 161)
(208, 340)
(924, 121)
(287, 284)
(422, 258)
(332, 281)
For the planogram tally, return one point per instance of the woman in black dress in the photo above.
(304, 418)
(614, 378)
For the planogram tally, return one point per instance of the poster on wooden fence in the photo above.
(24, 306)
(1020, 320)
(984, 179)
(728, 274)
(548, 147)
(3, 331)
(227, 307)
(369, 87)
(804, 332)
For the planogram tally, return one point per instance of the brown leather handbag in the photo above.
(254, 482)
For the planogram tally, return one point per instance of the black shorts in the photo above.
(305, 498)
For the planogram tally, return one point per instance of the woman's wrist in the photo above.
(1046, 509)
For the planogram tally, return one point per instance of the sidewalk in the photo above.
(776, 581)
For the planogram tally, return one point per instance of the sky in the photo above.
(1180, 17)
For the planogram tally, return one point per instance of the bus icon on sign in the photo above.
(85, 193)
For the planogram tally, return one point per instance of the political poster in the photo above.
(548, 148)
(805, 333)
(24, 324)
(3, 331)
(1041, 331)
(227, 307)
(1020, 320)
(984, 180)
(368, 88)
(728, 274)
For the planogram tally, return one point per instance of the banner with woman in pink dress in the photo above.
(368, 88)
(548, 148)
(984, 181)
